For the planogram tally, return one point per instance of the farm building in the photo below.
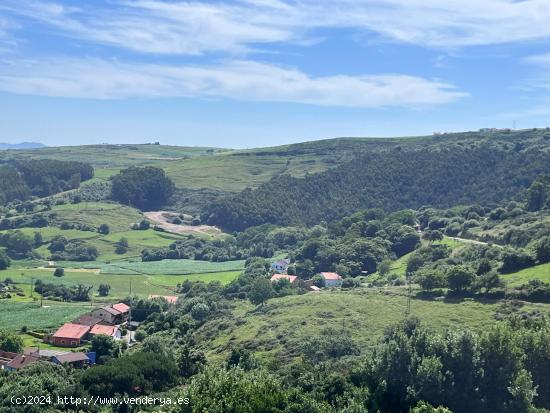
(76, 360)
(6, 357)
(87, 320)
(280, 266)
(69, 335)
(20, 361)
(291, 278)
(112, 314)
(111, 331)
(332, 279)
(314, 289)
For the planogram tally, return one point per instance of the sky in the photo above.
(251, 73)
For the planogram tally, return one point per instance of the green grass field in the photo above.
(171, 267)
(365, 312)
(539, 272)
(14, 315)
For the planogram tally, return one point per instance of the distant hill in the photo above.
(478, 168)
(22, 145)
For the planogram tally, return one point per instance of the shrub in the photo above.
(59, 272)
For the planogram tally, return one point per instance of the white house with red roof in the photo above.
(332, 279)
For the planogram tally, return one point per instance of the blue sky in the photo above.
(254, 73)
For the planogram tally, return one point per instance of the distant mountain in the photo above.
(22, 145)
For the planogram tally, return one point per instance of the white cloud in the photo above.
(195, 27)
(241, 80)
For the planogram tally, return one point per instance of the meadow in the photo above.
(275, 329)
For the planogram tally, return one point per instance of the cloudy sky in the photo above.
(248, 73)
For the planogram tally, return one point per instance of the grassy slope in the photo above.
(14, 315)
(365, 312)
(539, 272)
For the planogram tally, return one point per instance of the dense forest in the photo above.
(19, 180)
(393, 180)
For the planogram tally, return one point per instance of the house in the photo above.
(43, 354)
(112, 314)
(20, 361)
(111, 331)
(87, 320)
(277, 277)
(69, 335)
(332, 279)
(76, 360)
(6, 357)
(280, 266)
(171, 299)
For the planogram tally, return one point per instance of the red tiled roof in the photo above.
(69, 330)
(290, 278)
(21, 361)
(101, 329)
(170, 298)
(121, 307)
(331, 276)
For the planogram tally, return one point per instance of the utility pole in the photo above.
(409, 293)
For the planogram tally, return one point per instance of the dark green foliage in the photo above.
(105, 348)
(538, 194)
(460, 278)
(12, 186)
(63, 292)
(104, 229)
(17, 244)
(392, 180)
(429, 279)
(542, 250)
(515, 260)
(72, 250)
(103, 290)
(145, 188)
(135, 374)
(329, 344)
(59, 272)
(260, 291)
(457, 369)
(40, 177)
(42, 380)
(10, 341)
(189, 361)
(5, 261)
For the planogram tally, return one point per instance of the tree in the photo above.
(105, 347)
(189, 361)
(10, 342)
(144, 224)
(489, 281)
(104, 229)
(5, 261)
(319, 281)
(423, 407)
(430, 279)
(59, 272)
(122, 246)
(142, 187)
(414, 263)
(200, 311)
(542, 250)
(384, 267)
(103, 290)
(38, 240)
(260, 291)
(459, 278)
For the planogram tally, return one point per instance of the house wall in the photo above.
(66, 341)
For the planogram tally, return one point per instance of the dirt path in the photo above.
(162, 219)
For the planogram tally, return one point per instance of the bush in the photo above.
(5, 261)
(460, 278)
(104, 229)
(59, 272)
(542, 250)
